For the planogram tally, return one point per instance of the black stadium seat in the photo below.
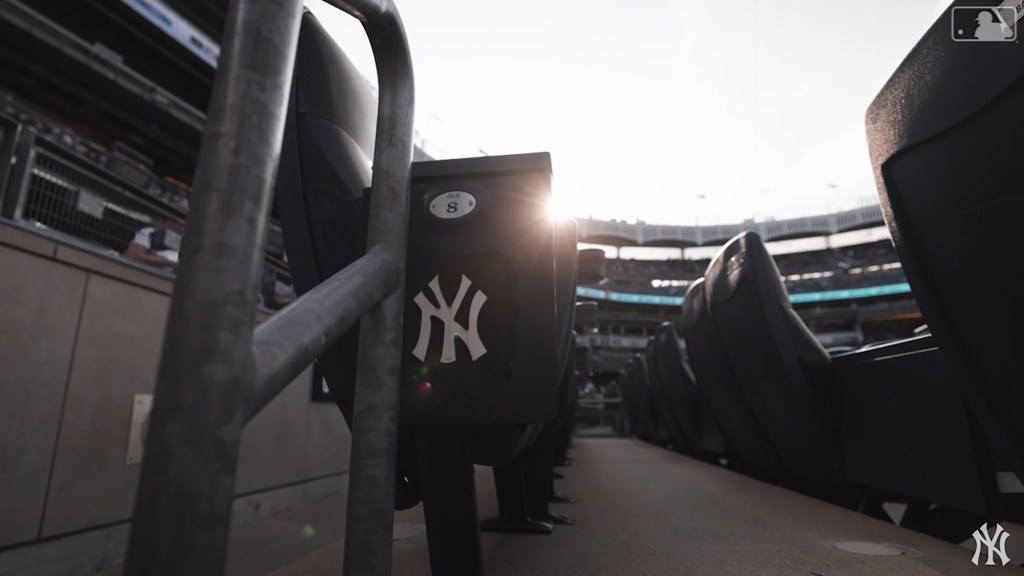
(477, 383)
(749, 449)
(629, 403)
(331, 119)
(682, 400)
(781, 368)
(634, 401)
(653, 429)
(323, 174)
(524, 484)
(946, 147)
(712, 442)
(670, 404)
(660, 432)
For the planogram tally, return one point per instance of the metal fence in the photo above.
(596, 413)
(83, 203)
(57, 191)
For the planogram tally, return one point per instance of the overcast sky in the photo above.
(668, 111)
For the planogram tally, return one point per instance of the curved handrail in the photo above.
(205, 387)
(371, 494)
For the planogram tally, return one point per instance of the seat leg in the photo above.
(513, 513)
(445, 457)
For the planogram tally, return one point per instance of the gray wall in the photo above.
(80, 336)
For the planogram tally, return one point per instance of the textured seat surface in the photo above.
(946, 147)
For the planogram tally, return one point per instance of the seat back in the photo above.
(646, 424)
(944, 135)
(680, 395)
(630, 407)
(634, 401)
(486, 323)
(323, 172)
(498, 444)
(323, 175)
(660, 433)
(781, 368)
(591, 266)
(709, 440)
(566, 274)
(712, 443)
(747, 444)
(320, 195)
(669, 404)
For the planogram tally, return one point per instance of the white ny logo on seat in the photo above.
(452, 329)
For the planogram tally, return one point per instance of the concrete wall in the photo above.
(80, 336)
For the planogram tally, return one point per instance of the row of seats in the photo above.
(750, 367)
(747, 385)
(933, 419)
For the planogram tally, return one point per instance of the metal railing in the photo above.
(597, 412)
(217, 370)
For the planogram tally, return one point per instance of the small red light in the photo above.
(426, 386)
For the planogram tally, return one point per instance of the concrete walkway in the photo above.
(640, 510)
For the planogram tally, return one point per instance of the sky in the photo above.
(664, 111)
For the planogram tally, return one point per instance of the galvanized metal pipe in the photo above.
(371, 492)
(187, 484)
(292, 338)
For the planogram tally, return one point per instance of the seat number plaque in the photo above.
(452, 205)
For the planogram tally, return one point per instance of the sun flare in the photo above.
(557, 208)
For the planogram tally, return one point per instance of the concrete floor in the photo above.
(640, 510)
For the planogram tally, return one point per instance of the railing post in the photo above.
(371, 491)
(187, 483)
(12, 201)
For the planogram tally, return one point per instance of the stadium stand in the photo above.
(872, 264)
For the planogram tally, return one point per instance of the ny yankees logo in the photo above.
(995, 542)
(452, 329)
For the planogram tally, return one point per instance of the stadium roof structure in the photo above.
(642, 234)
